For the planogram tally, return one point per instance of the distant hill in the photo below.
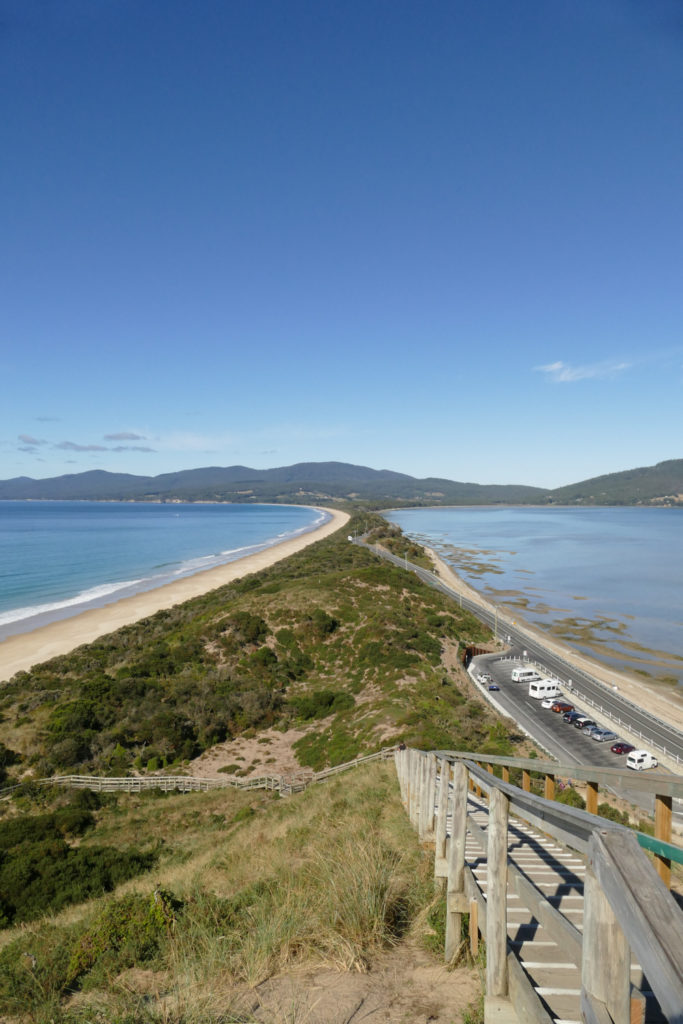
(341, 481)
(305, 481)
(649, 485)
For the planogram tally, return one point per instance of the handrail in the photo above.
(625, 904)
(663, 787)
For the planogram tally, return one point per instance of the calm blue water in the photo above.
(614, 572)
(58, 558)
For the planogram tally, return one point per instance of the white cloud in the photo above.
(125, 435)
(563, 373)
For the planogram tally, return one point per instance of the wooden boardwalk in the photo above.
(567, 902)
(553, 968)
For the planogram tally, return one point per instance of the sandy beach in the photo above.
(20, 652)
(657, 701)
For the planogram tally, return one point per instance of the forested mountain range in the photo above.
(340, 481)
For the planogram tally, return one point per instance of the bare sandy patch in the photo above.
(271, 748)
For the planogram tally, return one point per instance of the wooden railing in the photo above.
(626, 906)
(613, 781)
(294, 782)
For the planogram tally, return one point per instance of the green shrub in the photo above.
(606, 810)
(570, 796)
(127, 931)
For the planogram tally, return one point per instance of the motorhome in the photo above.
(639, 760)
(524, 675)
(544, 688)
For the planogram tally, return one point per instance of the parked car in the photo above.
(622, 748)
(493, 686)
(582, 721)
(561, 705)
(571, 716)
(590, 730)
(604, 735)
(548, 703)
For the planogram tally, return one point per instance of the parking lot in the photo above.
(561, 740)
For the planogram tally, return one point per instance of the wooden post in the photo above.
(424, 796)
(606, 956)
(526, 780)
(431, 795)
(442, 812)
(496, 896)
(663, 807)
(455, 893)
(592, 797)
(414, 763)
(506, 773)
(474, 928)
(549, 786)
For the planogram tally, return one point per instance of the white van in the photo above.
(524, 675)
(545, 688)
(639, 760)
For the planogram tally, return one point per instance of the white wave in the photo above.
(99, 593)
(85, 597)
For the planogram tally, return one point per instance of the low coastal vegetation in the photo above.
(214, 894)
(355, 652)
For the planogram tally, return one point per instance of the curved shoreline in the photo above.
(22, 650)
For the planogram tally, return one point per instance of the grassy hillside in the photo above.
(660, 485)
(258, 909)
(332, 640)
(215, 899)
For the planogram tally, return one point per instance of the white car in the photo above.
(548, 702)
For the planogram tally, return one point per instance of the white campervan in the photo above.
(524, 675)
(639, 760)
(544, 688)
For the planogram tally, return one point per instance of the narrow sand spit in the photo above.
(20, 652)
(647, 697)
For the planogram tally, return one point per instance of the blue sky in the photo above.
(441, 238)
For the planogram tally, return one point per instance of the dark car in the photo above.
(621, 748)
(582, 722)
(562, 706)
(571, 716)
(493, 686)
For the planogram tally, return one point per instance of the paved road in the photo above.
(654, 734)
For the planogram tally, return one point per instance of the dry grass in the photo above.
(328, 882)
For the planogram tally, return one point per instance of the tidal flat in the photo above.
(622, 565)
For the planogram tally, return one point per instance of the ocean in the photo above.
(58, 558)
(606, 580)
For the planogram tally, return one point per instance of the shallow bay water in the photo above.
(607, 580)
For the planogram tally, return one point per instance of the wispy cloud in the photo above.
(32, 441)
(125, 435)
(564, 373)
(48, 419)
(131, 448)
(71, 446)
